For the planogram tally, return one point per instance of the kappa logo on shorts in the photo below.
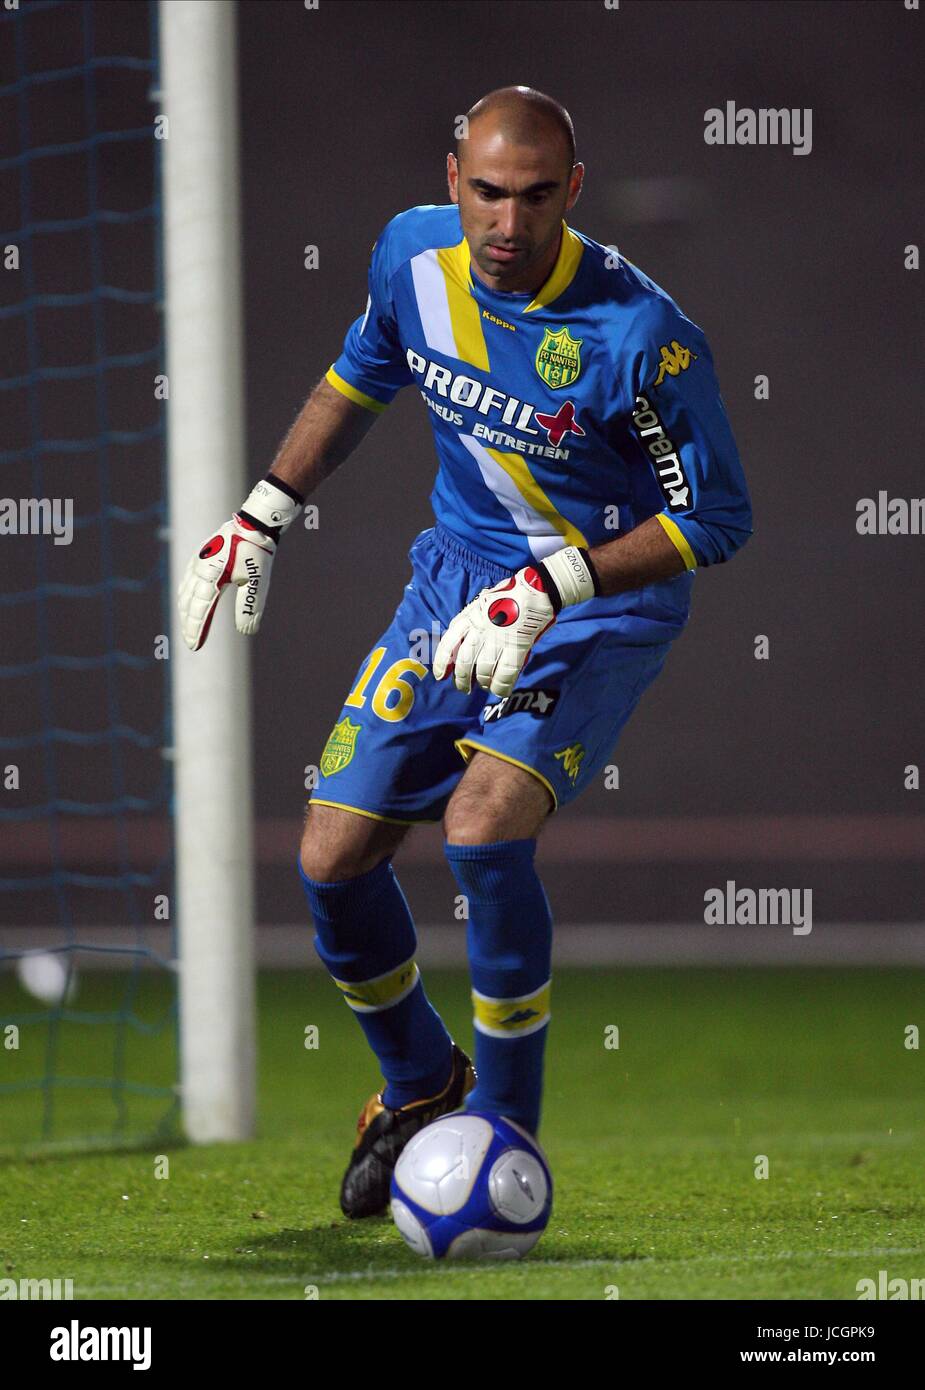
(340, 747)
(571, 758)
(539, 703)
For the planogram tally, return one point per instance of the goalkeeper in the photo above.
(586, 469)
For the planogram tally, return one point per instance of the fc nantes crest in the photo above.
(558, 358)
(340, 747)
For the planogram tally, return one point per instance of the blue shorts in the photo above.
(402, 740)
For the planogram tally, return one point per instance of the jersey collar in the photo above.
(571, 250)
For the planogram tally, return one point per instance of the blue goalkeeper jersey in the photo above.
(567, 417)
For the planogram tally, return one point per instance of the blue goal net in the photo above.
(88, 1018)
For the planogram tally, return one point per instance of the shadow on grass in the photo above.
(345, 1249)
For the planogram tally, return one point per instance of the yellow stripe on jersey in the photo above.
(465, 314)
(571, 250)
(515, 466)
(383, 992)
(675, 534)
(506, 1018)
(351, 392)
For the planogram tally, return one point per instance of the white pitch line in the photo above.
(665, 1263)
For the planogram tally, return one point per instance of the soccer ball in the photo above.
(46, 976)
(472, 1186)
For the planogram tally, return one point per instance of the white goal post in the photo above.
(213, 826)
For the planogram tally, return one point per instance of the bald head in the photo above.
(514, 177)
(522, 116)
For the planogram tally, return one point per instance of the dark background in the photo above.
(793, 266)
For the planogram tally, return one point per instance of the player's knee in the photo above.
(322, 857)
(496, 801)
(468, 824)
(326, 863)
(476, 820)
(337, 845)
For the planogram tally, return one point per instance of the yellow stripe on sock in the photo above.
(506, 1018)
(382, 992)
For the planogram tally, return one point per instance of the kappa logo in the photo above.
(502, 323)
(571, 759)
(539, 703)
(518, 1016)
(669, 470)
(558, 358)
(340, 747)
(674, 360)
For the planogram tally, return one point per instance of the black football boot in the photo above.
(382, 1133)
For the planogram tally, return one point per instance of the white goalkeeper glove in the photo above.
(240, 552)
(496, 632)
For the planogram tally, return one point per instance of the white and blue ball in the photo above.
(472, 1186)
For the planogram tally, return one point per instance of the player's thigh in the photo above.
(392, 751)
(338, 844)
(495, 800)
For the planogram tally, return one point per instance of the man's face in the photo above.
(512, 199)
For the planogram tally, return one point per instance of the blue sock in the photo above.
(509, 938)
(366, 938)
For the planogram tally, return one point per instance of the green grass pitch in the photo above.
(653, 1147)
